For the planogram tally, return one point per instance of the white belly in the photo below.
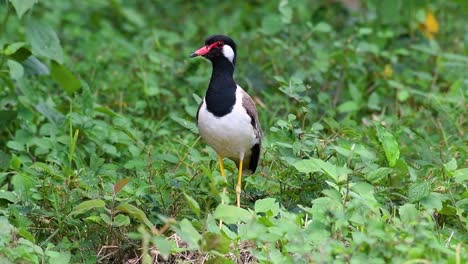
(230, 136)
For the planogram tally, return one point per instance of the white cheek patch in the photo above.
(228, 52)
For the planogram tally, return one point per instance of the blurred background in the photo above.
(98, 137)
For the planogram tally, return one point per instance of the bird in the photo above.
(227, 118)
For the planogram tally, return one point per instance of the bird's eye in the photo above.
(219, 44)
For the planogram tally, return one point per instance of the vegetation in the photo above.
(363, 108)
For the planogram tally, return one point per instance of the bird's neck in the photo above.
(221, 94)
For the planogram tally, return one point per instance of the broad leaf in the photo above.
(16, 69)
(22, 6)
(185, 123)
(213, 241)
(135, 212)
(12, 48)
(121, 220)
(267, 205)
(44, 41)
(432, 201)
(375, 176)
(322, 27)
(337, 174)
(271, 24)
(34, 66)
(189, 234)
(231, 214)
(193, 204)
(163, 246)
(56, 257)
(88, 205)
(389, 144)
(408, 213)
(417, 191)
(461, 175)
(9, 196)
(64, 77)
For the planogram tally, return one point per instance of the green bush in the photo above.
(363, 109)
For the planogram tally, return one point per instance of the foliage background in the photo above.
(363, 107)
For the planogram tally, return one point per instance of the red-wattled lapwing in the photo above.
(227, 117)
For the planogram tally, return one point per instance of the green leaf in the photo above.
(213, 241)
(110, 149)
(44, 41)
(185, 123)
(121, 220)
(12, 48)
(231, 214)
(309, 166)
(193, 204)
(15, 145)
(3, 175)
(56, 257)
(403, 95)
(64, 77)
(285, 8)
(22, 182)
(189, 234)
(375, 176)
(318, 232)
(16, 69)
(135, 212)
(451, 165)
(461, 175)
(271, 24)
(432, 201)
(338, 174)
(6, 116)
(365, 31)
(105, 218)
(22, 6)
(88, 205)
(408, 213)
(267, 205)
(33, 65)
(163, 246)
(26, 234)
(349, 106)
(389, 11)
(389, 144)
(462, 204)
(374, 101)
(134, 17)
(9, 196)
(47, 109)
(15, 162)
(417, 191)
(321, 208)
(322, 27)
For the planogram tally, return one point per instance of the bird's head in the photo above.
(217, 46)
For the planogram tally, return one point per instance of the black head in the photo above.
(217, 46)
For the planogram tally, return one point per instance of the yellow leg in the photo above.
(239, 181)
(221, 168)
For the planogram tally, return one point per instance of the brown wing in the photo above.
(249, 106)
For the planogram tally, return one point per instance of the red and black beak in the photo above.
(203, 50)
(200, 52)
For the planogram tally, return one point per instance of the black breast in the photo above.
(221, 94)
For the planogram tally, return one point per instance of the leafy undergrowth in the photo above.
(363, 108)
